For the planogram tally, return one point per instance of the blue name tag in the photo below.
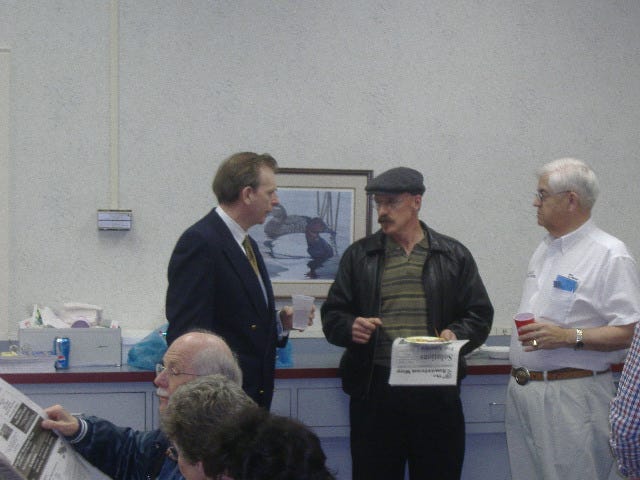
(568, 284)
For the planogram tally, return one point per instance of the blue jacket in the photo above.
(124, 453)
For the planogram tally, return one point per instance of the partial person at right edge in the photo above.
(625, 414)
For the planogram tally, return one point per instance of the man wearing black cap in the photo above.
(404, 280)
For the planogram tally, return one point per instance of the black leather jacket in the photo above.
(456, 298)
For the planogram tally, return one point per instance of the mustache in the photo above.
(383, 219)
(162, 392)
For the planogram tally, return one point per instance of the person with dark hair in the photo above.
(251, 444)
(126, 454)
(218, 279)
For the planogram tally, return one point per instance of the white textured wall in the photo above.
(5, 57)
(475, 94)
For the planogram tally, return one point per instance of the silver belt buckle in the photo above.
(522, 376)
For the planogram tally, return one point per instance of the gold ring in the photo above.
(534, 343)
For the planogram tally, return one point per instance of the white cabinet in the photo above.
(318, 402)
(125, 404)
(483, 400)
(322, 405)
(282, 403)
(326, 410)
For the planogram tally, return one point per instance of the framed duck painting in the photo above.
(321, 212)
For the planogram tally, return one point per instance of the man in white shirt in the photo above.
(582, 286)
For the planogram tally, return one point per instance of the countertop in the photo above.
(478, 364)
(311, 359)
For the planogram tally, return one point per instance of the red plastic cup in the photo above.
(523, 319)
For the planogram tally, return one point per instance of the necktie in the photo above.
(251, 256)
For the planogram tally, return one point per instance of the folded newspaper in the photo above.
(27, 451)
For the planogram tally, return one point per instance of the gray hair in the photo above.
(199, 407)
(214, 356)
(571, 174)
(215, 361)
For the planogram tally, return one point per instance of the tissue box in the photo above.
(90, 347)
(73, 312)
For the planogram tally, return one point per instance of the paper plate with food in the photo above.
(430, 341)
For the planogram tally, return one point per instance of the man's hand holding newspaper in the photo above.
(30, 452)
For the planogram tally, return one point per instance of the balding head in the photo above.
(192, 355)
(210, 355)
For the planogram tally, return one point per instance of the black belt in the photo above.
(523, 375)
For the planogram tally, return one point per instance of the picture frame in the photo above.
(320, 213)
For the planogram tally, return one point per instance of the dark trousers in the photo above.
(423, 426)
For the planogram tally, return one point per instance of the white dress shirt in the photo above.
(239, 235)
(584, 279)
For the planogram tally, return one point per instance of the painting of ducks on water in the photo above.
(304, 236)
(320, 213)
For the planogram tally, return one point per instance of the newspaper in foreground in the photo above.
(27, 451)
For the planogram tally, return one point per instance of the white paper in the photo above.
(424, 364)
(49, 319)
(27, 451)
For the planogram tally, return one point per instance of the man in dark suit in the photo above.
(218, 279)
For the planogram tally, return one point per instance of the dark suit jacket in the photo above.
(212, 286)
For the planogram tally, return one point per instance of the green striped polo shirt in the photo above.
(403, 303)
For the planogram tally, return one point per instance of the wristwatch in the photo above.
(579, 342)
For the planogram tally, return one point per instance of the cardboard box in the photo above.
(90, 347)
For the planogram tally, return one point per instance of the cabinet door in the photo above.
(486, 456)
(323, 407)
(484, 404)
(281, 403)
(125, 409)
(130, 407)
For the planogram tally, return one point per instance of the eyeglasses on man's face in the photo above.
(542, 195)
(173, 371)
(388, 202)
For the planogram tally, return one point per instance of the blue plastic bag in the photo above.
(284, 356)
(149, 351)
